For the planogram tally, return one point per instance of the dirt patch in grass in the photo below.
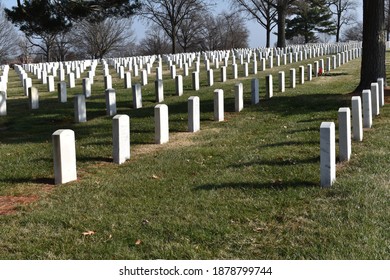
(10, 204)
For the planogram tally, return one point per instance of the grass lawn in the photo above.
(245, 188)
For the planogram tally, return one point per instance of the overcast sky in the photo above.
(256, 32)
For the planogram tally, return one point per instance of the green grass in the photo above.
(246, 188)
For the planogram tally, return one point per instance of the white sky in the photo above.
(256, 32)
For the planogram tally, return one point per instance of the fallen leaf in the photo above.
(145, 222)
(138, 242)
(87, 233)
(155, 177)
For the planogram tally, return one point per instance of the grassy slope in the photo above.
(246, 188)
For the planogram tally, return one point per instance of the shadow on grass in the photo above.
(40, 181)
(274, 185)
(278, 162)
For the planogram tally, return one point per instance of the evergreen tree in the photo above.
(310, 17)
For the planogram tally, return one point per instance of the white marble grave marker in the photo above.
(86, 87)
(107, 82)
(344, 118)
(3, 103)
(110, 102)
(64, 155)
(80, 110)
(137, 96)
(218, 105)
(375, 99)
(161, 120)
(195, 80)
(282, 83)
(50, 83)
(193, 114)
(239, 97)
(127, 80)
(269, 86)
(367, 108)
(328, 154)
(62, 92)
(159, 90)
(121, 138)
(210, 77)
(292, 78)
(357, 122)
(179, 85)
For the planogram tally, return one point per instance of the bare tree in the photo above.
(170, 15)
(353, 33)
(8, 37)
(98, 39)
(189, 35)
(155, 42)
(263, 11)
(342, 10)
(225, 31)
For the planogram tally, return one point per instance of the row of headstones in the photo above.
(80, 102)
(331, 63)
(185, 61)
(4, 77)
(64, 139)
(372, 99)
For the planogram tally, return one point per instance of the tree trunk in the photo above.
(282, 12)
(374, 44)
(268, 31)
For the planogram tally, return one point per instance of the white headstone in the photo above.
(235, 71)
(193, 114)
(72, 82)
(121, 138)
(159, 90)
(357, 122)
(344, 118)
(292, 78)
(137, 96)
(375, 99)
(210, 77)
(223, 74)
(328, 154)
(144, 77)
(107, 82)
(50, 84)
(239, 97)
(86, 87)
(64, 155)
(255, 91)
(301, 75)
(309, 72)
(381, 85)
(110, 102)
(269, 86)
(3, 103)
(195, 80)
(161, 120)
(62, 93)
(218, 105)
(127, 80)
(80, 110)
(367, 108)
(179, 85)
(282, 83)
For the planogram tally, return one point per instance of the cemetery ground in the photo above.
(245, 188)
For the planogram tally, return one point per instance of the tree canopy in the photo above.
(309, 18)
(35, 17)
